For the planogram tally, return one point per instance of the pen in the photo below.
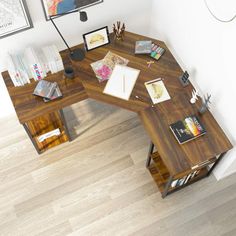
(153, 81)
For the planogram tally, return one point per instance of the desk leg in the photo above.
(65, 125)
(31, 138)
(165, 192)
(149, 154)
(215, 164)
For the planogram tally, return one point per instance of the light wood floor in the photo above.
(98, 184)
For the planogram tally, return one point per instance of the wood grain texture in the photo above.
(180, 158)
(156, 120)
(98, 184)
(44, 124)
(29, 107)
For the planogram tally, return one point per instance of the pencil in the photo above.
(153, 81)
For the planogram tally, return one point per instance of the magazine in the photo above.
(187, 129)
(103, 68)
(45, 89)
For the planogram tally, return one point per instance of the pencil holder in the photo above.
(69, 73)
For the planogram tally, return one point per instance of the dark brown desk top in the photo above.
(28, 106)
(156, 120)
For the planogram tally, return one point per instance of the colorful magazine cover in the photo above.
(143, 47)
(103, 68)
(187, 129)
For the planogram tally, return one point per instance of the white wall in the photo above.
(207, 49)
(43, 32)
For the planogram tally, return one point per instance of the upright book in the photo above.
(187, 129)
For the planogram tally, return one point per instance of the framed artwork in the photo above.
(96, 38)
(57, 7)
(14, 17)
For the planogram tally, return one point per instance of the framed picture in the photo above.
(96, 38)
(57, 7)
(14, 17)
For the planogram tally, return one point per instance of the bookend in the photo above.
(184, 79)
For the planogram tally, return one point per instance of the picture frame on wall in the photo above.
(55, 7)
(14, 17)
(96, 38)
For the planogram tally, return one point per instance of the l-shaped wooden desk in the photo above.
(171, 161)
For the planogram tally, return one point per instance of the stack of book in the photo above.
(18, 70)
(53, 59)
(47, 90)
(104, 68)
(185, 179)
(33, 64)
(148, 47)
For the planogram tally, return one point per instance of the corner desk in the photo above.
(167, 160)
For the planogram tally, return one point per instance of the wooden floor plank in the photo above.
(98, 184)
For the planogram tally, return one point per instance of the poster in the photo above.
(57, 7)
(14, 17)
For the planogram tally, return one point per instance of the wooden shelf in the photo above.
(45, 124)
(165, 180)
(159, 171)
(203, 173)
(160, 165)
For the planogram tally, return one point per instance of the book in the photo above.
(57, 94)
(45, 89)
(43, 137)
(143, 47)
(157, 91)
(187, 129)
(156, 51)
(174, 183)
(103, 68)
(13, 72)
(122, 82)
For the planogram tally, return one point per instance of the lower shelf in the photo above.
(45, 124)
(159, 171)
(160, 181)
(202, 174)
(161, 176)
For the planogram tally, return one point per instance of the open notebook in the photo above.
(121, 82)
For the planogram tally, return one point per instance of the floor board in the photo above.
(98, 184)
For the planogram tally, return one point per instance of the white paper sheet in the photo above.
(121, 82)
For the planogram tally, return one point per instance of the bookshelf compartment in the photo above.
(159, 171)
(45, 124)
(160, 181)
(169, 182)
(201, 174)
(160, 165)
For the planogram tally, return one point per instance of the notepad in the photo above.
(157, 91)
(121, 82)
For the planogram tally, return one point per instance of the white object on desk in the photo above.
(195, 95)
(157, 91)
(121, 82)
